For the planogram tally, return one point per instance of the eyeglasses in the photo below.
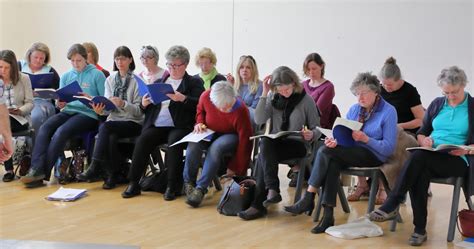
(453, 93)
(248, 57)
(361, 93)
(174, 66)
(121, 58)
(144, 58)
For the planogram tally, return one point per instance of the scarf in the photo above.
(364, 115)
(208, 77)
(287, 105)
(120, 88)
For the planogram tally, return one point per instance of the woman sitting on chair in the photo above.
(448, 120)
(406, 100)
(220, 110)
(166, 123)
(289, 108)
(125, 121)
(374, 143)
(74, 119)
(16, 89)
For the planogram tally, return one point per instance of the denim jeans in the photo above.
(216, 150)
(42, 110)
(53, 136)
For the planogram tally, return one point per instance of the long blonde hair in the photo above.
(254, 82)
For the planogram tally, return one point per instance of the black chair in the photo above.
(457, 183)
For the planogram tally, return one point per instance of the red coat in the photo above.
(236, 121)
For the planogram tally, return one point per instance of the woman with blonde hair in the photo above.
(206, 60)
(247, 84)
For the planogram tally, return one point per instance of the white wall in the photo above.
(352, 35)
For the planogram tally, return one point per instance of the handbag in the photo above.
(156, 182)
(466, 223)
(237, 196)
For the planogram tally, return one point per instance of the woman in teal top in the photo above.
(74, 119)
(448, 120)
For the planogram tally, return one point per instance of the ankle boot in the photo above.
(110, 182)
(92, 173)
(303, 205)
(133, 189)
(324, 224)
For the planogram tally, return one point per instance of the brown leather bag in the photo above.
(466, 223)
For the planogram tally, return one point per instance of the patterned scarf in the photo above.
(287, 105)
(120, 89)
(364, 115)
(207, 78)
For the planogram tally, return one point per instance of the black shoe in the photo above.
(303, 205)
(293, 179)
(35, 184)
(109, 183)
(275, 199)
(252, 213)
(170, 194)
(8, 177)
(324, 224)
(132, 190)
(88, 176)
(194, 199)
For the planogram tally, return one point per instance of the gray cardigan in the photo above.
(131, 110)
(304, 114)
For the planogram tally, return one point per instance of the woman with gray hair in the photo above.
(220, 110)
(448, 120)
(166, 123)
(149, 57)
(289, 108)
(374, 143)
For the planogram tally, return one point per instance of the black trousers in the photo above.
(15, 127)
(415, 177)
(273, 151)
(330, 161)
(174, 159)
(106, 148)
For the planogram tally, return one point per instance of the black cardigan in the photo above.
(182, 113)
(427, 128)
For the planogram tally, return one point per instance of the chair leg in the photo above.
(373, 191)
(454, 209)
(317, 213)
(299, 182)
(343, 199)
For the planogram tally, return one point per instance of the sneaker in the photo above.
(195, 197)
(8, 177)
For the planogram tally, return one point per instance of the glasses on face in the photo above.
(453, 93)
(174, 66)
(144, 58)
(284, 88)
(120, 58)
(361, 93)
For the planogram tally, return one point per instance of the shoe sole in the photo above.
(31, 179)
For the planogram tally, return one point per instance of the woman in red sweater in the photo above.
(220, 110)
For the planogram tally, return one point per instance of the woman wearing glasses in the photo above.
(374, 143)
(125, 121)
(206, 60)
(289, 108)
(166, 123)
(247, 84)
(406, 100)
(448, 120)
(149, 57)
(16, 89)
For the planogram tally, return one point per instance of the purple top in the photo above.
(322, 96)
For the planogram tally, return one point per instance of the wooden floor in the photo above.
(104, 217)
